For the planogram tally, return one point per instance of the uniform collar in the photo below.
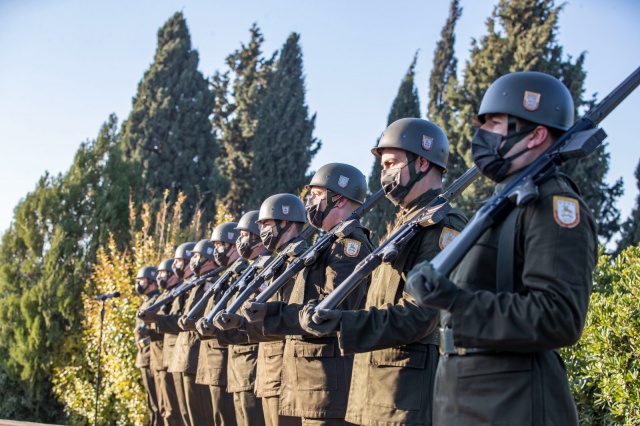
(417, 204)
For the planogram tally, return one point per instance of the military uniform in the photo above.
(184, 361)
(394, 339)
(316, 377)
(515, 375)
(143, 360)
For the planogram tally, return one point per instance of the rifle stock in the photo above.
(579, 141)
(311, 255)
(389, 249)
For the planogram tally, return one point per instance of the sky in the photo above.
(66, 65)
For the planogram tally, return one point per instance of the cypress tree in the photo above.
(405, 105)
(168, 133)
(522, 37)
(284, 144)
(235, 118)
(630, 230)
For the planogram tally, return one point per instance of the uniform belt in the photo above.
(447, 347)
(430, 339)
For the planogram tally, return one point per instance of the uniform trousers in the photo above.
(270, 407)
(152, 397)
(248, 409)
(323, 422)
(167, 398)
(198, 400)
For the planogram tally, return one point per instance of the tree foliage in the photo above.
(168, 133)
(284, 144)
(630, 228)
(405, 105)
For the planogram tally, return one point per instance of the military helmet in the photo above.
(248, 222)
(341, 179)
(533, 96)
(205, 248)
(149, 272)
(418, 136)
(165, 265)
(283, 207)
(226, 232)
(185, 251)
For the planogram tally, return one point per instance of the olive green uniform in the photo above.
(394, 339)
(316, 377)
(185, 361)
(517, 376)
(143, 360)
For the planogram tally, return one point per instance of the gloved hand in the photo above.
(254, 311)
(227, 321)
(205, 329)
(430, 288)
(319, 323)
(147, 317)
(144, 331)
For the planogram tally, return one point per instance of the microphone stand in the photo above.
(95, 417)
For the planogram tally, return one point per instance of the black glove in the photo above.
(254, 311)
(205, 329)
(227, 321)
(430, 288)
(319, 323)
(147, 317)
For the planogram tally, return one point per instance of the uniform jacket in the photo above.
(394, 367)
(144, 344)
(316, 377)
(524, 382)
(170, 329)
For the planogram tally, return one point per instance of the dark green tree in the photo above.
(522, 37)
(168, 133)
(630, 230)
(406, 104)
(283, 143)
(46, 256)
(235, 118)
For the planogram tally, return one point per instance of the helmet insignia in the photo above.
(531, 100)
(188, 252)
(209, 250)
(427, 142)
(343, 181)
(285, 209)
(230, 235)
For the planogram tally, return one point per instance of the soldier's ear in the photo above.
(423, 164)
(537, 137)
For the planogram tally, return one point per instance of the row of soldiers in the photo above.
(407, 345)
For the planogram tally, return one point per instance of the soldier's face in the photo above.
(394, 158)
(269, 223)
(318, 196)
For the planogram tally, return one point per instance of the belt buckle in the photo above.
(446, 347)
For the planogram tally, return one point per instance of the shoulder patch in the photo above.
(566, 211)
(446, 236)
(352, 247)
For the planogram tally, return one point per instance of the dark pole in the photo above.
(95, 417)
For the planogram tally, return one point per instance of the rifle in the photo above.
(309, 257)
(577, 142)
(188, 320)
(294, 249)
(431, 214)
(176, 292)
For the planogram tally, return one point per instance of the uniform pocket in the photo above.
(397, 377)
(316, 366)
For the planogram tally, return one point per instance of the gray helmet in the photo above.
(226, 232)
(418, 136)
(165, 265)
(341, 179)
(185, 251)
(533, 96)
(149, 272)
(205, 248)
(283, 207)
(248, 222)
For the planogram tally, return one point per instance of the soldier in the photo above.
(315, 377)
(281, 219)
(167, 397)
(243, 354)
(146, 285)
(395, 341)
(212, 367)
(522, 291)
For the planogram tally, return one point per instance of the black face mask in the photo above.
(269, 241)
(245, 245)
(179, 271)
(489, 157)
(162, 281)
(196, 265)
(390, 181)
(140, 287)
(222, 257)
(316, 217)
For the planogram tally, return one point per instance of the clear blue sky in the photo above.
(66, 65)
